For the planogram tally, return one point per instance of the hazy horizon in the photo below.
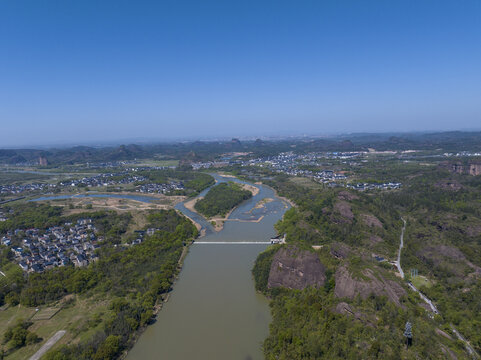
(142, 141)
(88, 72)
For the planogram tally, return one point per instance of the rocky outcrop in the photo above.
(436, 255)
(473, 230)
(374, 239)
(371, 220)
(344, 209)
(346, 309)
(293, 268)
(348, 287)
(340, 250)
(453, 185)
(346, 195)
(473, 169)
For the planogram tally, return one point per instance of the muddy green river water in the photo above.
(214, 312)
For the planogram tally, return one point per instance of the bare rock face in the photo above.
(344, 209)
(436, 253)
(340, 250)
(346, 309)
(293, 268)
(371, 220)
(473, 230)
(449, 185)
(346, 195)
(473, 169)
(348, 287)
(374, 239)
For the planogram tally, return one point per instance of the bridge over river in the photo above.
(214, 311)
(233, 242)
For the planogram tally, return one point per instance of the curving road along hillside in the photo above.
(428, 301)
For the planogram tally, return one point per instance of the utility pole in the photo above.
(408, 334)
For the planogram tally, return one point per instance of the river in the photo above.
(214, 311)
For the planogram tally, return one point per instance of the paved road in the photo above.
(46, 347)
(425, 298)
(471, 351)
(428, 301)
(401, 245)
(232, 242)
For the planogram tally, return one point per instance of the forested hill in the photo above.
(208, 150)
(359, 307)
(221, 199)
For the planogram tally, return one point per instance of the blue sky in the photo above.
(78, 71)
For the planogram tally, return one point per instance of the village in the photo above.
(36, 250)
(102, 180)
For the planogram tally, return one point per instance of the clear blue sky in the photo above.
(80, 70)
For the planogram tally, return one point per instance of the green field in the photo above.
(79, 319)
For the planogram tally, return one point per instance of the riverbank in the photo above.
(218, 221)
(227, 324)
(164, 298)
(290, 202)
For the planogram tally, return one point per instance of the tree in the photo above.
(108, 349)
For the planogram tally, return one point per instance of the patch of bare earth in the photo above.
(346, 309)
(293, 268)
(340, 250)
(453, 185)
(346, 195)
(374, 239)
(348, 287)
(371, 220)
(438, 252)
(344, 209)
(473, 230)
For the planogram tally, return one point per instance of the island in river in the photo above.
(221, 200)
(214, 311)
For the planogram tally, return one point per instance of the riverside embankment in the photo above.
(214, 311)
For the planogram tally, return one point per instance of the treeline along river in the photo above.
(214, 311)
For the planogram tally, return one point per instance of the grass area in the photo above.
(46, 313)
(80, 319)
(421, 281)
(158, 163)
(9, 317)
(19, 178)
(304, 182)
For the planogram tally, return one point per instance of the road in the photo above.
(46, 347)
(466, 343)
(401, 245)
(428, 301)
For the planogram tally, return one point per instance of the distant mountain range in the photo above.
(203, 150)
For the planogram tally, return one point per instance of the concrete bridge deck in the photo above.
(233, 242)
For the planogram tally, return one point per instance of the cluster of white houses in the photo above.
(160, 188)
(36, 250)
